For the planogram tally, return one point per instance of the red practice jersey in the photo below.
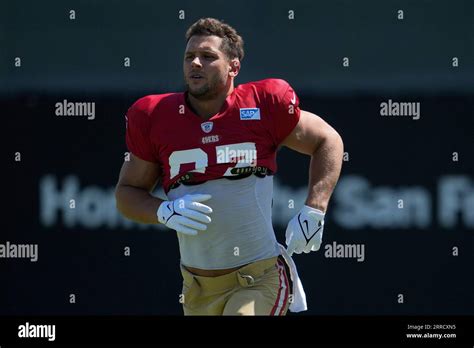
(246, 132)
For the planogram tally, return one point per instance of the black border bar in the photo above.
(217, 330)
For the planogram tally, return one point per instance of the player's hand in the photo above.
(186, 215)
(305, 231)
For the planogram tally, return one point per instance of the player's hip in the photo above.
(259, 288)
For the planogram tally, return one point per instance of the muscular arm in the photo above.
(133, 191)
(314, 137)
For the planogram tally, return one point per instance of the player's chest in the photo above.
(188, 131)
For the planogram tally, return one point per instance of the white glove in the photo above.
(305, 231)
(185, 214)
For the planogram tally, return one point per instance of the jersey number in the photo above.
(242, 154)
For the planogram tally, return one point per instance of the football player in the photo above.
(213, 149)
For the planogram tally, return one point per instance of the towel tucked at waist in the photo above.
(299, 297)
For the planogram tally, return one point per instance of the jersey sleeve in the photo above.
(138, 127)
(284, 108)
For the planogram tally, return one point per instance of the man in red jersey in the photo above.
(213, 148)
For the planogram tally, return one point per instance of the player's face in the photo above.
(206, 67)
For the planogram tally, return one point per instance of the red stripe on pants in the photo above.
(279, 292)
(287, 288)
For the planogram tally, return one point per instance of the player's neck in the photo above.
(208, 108)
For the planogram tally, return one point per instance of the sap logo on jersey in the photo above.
(250, 113)
(206, 126)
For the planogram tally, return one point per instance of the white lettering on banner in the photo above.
(360, 205)
(95, 206)
(455, 201)
(355, 204)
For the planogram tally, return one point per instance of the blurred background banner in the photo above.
(394, 78)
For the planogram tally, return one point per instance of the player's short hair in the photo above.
(232, 42)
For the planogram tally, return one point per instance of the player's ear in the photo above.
(234, 67)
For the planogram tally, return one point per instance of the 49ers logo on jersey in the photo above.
(207, 126)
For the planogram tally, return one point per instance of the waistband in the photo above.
(245, 276)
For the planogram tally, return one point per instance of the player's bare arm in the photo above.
(134, 200)
(136, 181)
(315, 137)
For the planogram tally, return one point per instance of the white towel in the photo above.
(299, 297)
